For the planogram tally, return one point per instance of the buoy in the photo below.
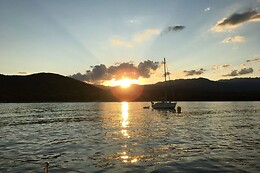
(179, 109)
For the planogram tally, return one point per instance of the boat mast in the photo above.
(165, 74)
(164, 64)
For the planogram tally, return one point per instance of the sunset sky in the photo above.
(100, 40)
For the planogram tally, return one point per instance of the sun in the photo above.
(122, 83)
(125, 82)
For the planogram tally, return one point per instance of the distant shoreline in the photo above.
(54, 88)
(129, 101)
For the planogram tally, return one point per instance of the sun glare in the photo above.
(125, 82)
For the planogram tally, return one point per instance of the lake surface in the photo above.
(124, 137)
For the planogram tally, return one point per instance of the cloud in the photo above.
(176, 28)
(242, 65)
(133, 21)
(100, 73)
(119, 42)
(254, 60)
(207, 9)
(235, 20)
(79, 76)
(225, 66)
(173, 29)
(246, 71)
(215, 67)
(122, 70)
(233, 73)
(140, 37)
(145, 67)
(136, 21)
(22, 72)
(234, 39)
(243, 71)
(147, 34)
(194, 72)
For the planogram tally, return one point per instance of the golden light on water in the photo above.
(125, 158)
(124, 132)
(125, 121)
(125, 114)
(133, 160)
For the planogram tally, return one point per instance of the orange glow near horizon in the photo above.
(123, 83)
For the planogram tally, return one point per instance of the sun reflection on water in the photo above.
(125, 121)
(125, 114)
(125, 158)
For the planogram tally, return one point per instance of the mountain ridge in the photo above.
(45, 87)
(50, 87)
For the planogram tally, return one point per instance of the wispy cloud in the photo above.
(234, 39)
(225, 66)
(256, 59)
(146, 35)
(100, 73)
(235, 20)
(176, 28)
(194, 72)
(119, 42)
(133, 22)
(22, 72)
(136, 20)
(139, 37)
(242, 71)
(207, 9)
(173, 29)
(215, 67)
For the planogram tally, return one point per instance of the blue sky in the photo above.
(203, 38)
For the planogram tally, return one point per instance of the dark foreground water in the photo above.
(124, 137)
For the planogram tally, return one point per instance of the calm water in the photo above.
(124, 137)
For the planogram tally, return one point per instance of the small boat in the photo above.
(146, 107)
(164, 104)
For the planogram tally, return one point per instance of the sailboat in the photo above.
(164, 104)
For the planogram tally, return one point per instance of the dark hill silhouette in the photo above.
(46, 87)
(201, 89)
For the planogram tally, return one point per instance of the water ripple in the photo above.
(123, 137)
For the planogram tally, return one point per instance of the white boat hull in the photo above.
(164, 105)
